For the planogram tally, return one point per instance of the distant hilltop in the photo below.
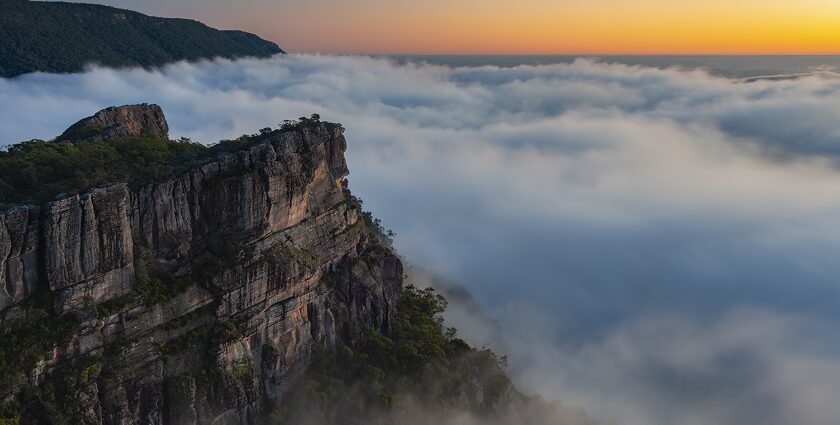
(65, 37)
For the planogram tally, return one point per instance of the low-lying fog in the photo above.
(657, 247)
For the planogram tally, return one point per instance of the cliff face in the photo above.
(196, 299)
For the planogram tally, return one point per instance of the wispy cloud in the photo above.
(657, 246)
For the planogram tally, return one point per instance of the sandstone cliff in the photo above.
(194, 299)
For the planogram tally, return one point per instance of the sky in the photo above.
(522, 27)
(655, 246)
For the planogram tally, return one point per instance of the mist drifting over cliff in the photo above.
(655, 246)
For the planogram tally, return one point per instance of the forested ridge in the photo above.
(66, 37)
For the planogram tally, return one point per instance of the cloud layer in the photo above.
(656, 246)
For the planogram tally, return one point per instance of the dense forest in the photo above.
(65, 37)
(37, 170)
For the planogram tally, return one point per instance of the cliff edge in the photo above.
(193, 298)
(163, 282)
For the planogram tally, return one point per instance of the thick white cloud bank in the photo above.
(655, 246)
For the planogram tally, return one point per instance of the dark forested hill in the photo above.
(64, 37)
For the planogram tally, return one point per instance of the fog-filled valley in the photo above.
(652, 246)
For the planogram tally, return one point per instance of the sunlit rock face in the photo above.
(198, 297)
(118, 121)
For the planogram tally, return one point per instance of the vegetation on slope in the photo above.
(65, 37)
(420, 363)
(36, 171)
(30, 342)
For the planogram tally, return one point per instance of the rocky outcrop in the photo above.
(198, 297)
(119, 121)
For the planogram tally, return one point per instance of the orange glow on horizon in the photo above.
(547, 26)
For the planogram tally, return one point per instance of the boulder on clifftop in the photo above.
(118, 121)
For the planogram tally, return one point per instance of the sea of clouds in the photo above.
(655, 246)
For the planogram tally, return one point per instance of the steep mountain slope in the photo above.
(197, 292)
(64, 37)
(194, 298)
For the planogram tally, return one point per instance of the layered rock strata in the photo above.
(198, 298)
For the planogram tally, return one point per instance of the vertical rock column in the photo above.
(89, 249)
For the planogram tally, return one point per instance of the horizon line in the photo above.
(562, 54)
